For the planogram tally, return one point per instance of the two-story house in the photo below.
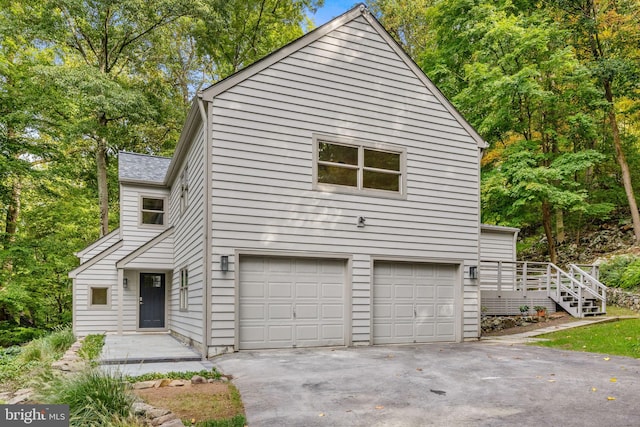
(325, 195)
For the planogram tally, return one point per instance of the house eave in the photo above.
(499, 228)
(191, 125)
(122, 263)
(108, 251)
(97, 242)
(216, 89)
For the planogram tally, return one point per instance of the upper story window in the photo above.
(354, 166)
(153, 211)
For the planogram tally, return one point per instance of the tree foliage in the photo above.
(81, 80)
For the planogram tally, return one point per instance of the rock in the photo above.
(140, 408)
(23, 391)
(178, 383)
(163, 419)
(173, 423)
(157, 412)
(143, 384)
(162, 383)
(19, 399)
(6, 395)
(224, 379)
(61, 365)
(197, 379)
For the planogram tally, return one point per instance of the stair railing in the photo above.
(590, 280)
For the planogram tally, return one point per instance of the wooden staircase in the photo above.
(578, 292)
(508, 284)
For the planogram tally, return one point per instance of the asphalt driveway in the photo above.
(468, 384)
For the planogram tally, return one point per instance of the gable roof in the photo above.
(97, 243)
(195, 116)
(102, 255)
(214, 90)
(142, 168)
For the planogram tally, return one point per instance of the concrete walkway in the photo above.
(138, 354)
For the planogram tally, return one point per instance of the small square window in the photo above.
(99, 296)
(152, 211)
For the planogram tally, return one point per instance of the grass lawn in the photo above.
(620, 338)
(613, 311)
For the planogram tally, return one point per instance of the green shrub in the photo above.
(60, 340)
(91, 347)
(11, 334)
(631, 276)
(612, 271)
(48, 348)
(95, 398)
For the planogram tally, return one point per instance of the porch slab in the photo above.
(144, 349)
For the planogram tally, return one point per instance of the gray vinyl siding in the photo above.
(189, 244)
(132, 231)
(263, 200)
(497, 246)
(99, 246)
(90, 320)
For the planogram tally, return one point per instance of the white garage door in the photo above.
(413, 302)
(291, 302)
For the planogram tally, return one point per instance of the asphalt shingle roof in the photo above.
(142, 167)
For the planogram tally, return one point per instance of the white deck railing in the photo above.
(575, 290)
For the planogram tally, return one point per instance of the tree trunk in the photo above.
(622, 162)
(11, 222)
(560, 234)
(103, 190)
(548, 231)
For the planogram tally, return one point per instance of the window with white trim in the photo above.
(184, 189)
(184, 289)
(359, 166)
(99, 297)
(152, 211)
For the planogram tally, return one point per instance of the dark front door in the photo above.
(152, 300)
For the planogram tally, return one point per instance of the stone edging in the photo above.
(160, 417)
(623, 299)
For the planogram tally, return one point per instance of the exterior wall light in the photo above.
(224, 263)
(473, 272)
(125, 283)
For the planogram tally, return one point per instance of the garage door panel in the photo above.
(425, 311)
(413, 302)
(280, 334)
(280, 311)
(307, 290)
(332, 290)
(383, 311)
(403, 311)
(425, 331)
(403, 330)
(253, 312)
(280, 290)
(307, 312)
(303, 304)
(425, 291)
(333, 311)
(254, 290)
(404, 291)
(445, 310)
(382, 291)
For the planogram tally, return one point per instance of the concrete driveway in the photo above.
(468, 384)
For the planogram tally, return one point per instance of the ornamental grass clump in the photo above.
(95, 398)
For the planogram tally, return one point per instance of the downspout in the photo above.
(478, 280)
(206, 273)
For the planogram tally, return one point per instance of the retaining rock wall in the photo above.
(624, 299)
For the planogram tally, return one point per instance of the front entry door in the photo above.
(152, 300)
